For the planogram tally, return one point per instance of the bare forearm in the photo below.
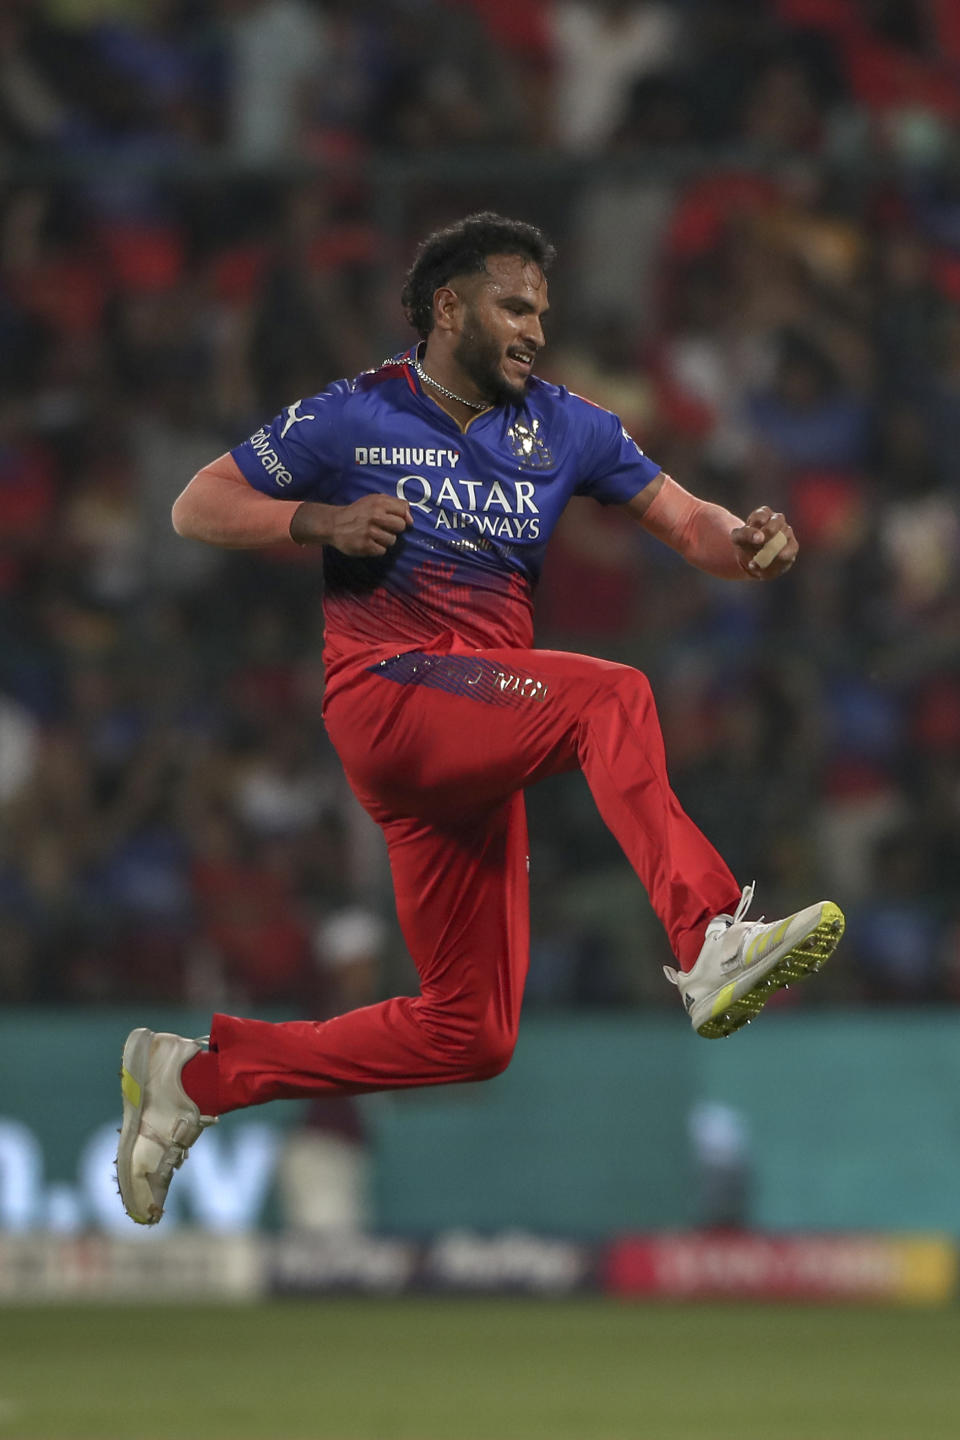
(698, 529)
(219, 507)
(763, 547)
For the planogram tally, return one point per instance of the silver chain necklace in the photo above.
(429, 380)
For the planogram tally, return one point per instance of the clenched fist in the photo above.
(366, 527)
(766, 544)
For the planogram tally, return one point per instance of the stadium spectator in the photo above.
(277, 51)
(600, 51)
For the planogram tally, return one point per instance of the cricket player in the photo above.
(433, 484)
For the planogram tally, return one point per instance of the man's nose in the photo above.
(534, 332)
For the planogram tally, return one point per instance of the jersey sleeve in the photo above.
(297, 456)
(613, 468)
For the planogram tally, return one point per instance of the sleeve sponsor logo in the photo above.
(262, 446)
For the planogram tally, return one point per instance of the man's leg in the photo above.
(427, 735)
(509, 717)
(462, 900)
(450, 739)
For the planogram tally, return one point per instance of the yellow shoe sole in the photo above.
(804, 959)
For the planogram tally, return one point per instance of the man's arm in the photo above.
(710, 537)
(220, 507)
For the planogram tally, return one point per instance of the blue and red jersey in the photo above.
(484, 500)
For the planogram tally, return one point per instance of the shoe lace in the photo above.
(730, 962)
(746, 900)
(720, 924)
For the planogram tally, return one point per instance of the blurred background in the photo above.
(206, 210)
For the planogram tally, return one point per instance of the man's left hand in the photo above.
(761, 527)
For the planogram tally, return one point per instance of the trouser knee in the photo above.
(633, 685)
(491, 1054)
(477, 1048)
(623, 685)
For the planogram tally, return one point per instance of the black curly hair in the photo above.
(462, 249)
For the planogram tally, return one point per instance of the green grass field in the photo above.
(478, 1370)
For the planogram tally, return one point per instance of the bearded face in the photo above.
(480, 353)
(500, 328)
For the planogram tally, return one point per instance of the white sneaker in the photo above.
(743, 962)
(160, 1121)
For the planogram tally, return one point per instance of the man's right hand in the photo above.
(366, 527)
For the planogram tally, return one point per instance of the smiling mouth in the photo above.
(522, 359)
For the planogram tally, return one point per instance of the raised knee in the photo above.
(490, 1054)
(632, 684)
(475, 1048)
(621, 689)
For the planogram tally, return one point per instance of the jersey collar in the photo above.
(413, 379)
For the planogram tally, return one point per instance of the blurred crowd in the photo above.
(205, 212)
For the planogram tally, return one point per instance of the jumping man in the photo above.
(433, 484)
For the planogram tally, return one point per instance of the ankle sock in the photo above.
(200, 1078)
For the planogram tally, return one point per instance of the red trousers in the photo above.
(438, 748)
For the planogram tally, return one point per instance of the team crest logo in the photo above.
(529, 446)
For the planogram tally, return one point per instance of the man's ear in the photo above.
(447, 308)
